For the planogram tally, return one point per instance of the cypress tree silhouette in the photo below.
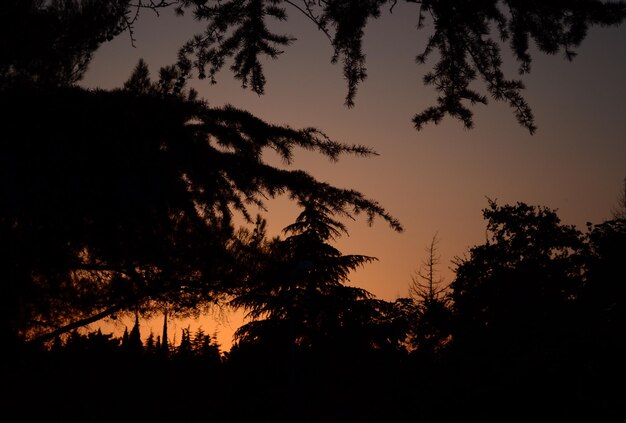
(135, 345)
(164, 347)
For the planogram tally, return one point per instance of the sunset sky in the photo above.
(436, 180)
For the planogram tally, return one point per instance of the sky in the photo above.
(435, 181)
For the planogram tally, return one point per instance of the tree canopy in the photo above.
(299, 292)
(520, 284)
(466, 38)
(123, 200)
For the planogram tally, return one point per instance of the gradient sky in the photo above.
(436, 180)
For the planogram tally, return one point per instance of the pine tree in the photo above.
(301, 295)
(466, 37)
(139, 81)
(430, 319)
(155, 229)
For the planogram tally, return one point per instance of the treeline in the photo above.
(532, 327)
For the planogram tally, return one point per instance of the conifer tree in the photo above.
(150, 346)
(164, 344)
(430, 319)
(185, 348)
(125, 338)
(466, 37)
(301, 295)
(141, 217)
(135, 345)
(468, 40)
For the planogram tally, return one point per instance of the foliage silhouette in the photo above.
(524, 305)
(301, 289)
(430, 310)
(51, 43)
(124, 202)
(603, 305)
(118, 200)
(522, 279)
(538, 328)
(308, 328)
(466, 36)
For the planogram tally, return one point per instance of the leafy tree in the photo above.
(520, 285)
(604, 293)
(602, 323)
(516, 317)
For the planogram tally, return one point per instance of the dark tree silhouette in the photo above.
(52, 42)
(134, 344)
(300, 293)
(467, 37)
(314, 342)
(516, 316)
(522, 281)
(602, 324)
(430, 309)
(124, 200)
